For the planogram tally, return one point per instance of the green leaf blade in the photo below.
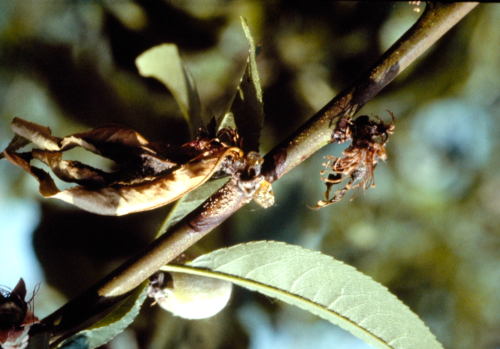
(319, 284)
(112, 325)
(191, 201)
(164, 63)
(253, 73)
(247, 105)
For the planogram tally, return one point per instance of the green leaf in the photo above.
(252, 71)
(163, 63)
(226, 121)
(39, 341)
(113, 324)
(190, 201)
(247, 105)
(320, 284)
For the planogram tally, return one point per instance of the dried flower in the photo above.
(16, 317)
(359, 160)
(252, 182)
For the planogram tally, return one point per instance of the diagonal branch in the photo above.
(436, 20)
(96, 302)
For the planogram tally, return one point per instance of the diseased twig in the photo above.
(436, 20)
(96, 302)
(102, 298)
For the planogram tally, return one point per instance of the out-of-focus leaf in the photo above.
(39, 341)
(111, 325)
(321, 285)
(164, 64)
(247, 105)
(146, 180)
(190, 201)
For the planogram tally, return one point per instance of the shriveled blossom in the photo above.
(357, 162)
(16, 317)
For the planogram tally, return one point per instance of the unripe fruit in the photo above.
(190, 296)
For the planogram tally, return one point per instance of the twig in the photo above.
(96, 302)
(436, 20)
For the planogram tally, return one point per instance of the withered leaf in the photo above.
(121, 144)
(117, 200)
(111, 141)
(17, 143)
(146, 179)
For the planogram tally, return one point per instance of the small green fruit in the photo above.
(190, 296)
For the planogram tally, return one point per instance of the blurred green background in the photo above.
(429, 231)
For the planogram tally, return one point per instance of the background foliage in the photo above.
(429, 231)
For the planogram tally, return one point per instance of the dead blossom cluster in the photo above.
(357, 162)
(16, 317)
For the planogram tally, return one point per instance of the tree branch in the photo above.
(436, 20)
(96, 302)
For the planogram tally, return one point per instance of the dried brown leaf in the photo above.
(47, 186)
(114, 142)
(138, 159)
(17, 143)
(117, 200)
(147, 179)
(71, 171)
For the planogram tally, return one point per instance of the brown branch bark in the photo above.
(96, 302)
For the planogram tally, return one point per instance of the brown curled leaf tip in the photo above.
(358, 162)
(150, 175)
